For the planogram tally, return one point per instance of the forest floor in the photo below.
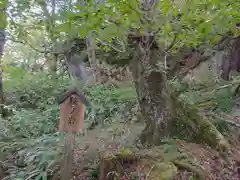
(173, 159)
(205, 163)
(113, 138)
(34, 151)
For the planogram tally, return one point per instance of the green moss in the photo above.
(125, 152)
(186, 119)
(163, 171)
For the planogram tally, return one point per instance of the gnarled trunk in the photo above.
(164, 112)
(152, 91)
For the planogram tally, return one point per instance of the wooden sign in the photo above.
(72, 111)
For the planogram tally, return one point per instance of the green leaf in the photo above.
(3, 4)
(82, 31)
(108, 32)
(167, 28)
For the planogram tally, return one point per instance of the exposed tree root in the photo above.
(161, 162)
(191, 168)
(110, 167)
(188, 121)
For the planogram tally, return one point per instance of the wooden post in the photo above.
(72, 111)
(71, 121)
(71, 115)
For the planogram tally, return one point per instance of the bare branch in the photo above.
(224, 118)
(91, 54)
(112, 46)
(173, 43)
(25, 43)
(197, 59)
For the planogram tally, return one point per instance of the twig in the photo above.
(199, 60)
(173, 43)
(234, 82)
(228, 121)
(126, 175)
(149, 172)
(112, 46)
(227, 85)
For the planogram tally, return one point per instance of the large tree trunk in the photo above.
(2, 43)
(3, 24)
(151, 90)
(165, 114)
(150, 83)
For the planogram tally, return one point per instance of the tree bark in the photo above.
(150, 80)
(3, 20)
(151, 90)
(92, 56)
(2, 43)
(164, 112)
(231, 58)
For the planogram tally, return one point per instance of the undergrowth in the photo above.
(206, 95)
(29, 141)
(212, 99)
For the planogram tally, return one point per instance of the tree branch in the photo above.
(25, 43)
(173, 43)
(112, 46)
(198, 59)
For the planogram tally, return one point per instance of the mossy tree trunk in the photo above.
(152, 91)
(3, 24)
(150, 80)
(164, 112)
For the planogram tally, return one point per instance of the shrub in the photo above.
(30, 136)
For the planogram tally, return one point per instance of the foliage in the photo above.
(109, 102)
(30, 134)
(3, 6)
(205, 96)
(195, 23)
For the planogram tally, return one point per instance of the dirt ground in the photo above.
(216, 165)
(86, 155)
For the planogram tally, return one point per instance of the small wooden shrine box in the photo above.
(72, 111)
